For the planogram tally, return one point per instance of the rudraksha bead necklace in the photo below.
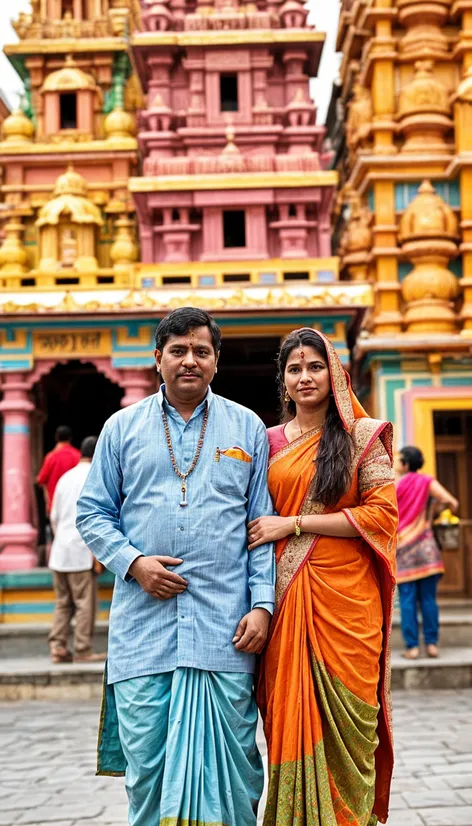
(184, 476)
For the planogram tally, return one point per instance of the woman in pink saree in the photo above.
(419, 561)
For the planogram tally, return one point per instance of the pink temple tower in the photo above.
(233, 166)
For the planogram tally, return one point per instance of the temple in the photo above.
(68, 226)
(400, 127)
(165, 154)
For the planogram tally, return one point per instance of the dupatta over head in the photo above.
(324, 683)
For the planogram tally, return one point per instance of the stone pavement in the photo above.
(47, 763)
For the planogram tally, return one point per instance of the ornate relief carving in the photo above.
(359, 118)
(356, 243)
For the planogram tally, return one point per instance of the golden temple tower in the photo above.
(74, 131)
(400, 123)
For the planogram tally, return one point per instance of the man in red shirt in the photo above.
(63, 458)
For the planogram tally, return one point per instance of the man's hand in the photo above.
(251, 633)
(154, 578)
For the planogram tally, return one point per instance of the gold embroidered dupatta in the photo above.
(324, 678)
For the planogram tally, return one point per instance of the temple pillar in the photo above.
(17, 535)
(387, 290)
(383, 81)
(137, 385)
(463, 136)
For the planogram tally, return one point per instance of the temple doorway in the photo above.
(453, 446)
(247, 375)
(73, 394)
(77, 395)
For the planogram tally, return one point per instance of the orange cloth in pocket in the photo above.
(237, 453)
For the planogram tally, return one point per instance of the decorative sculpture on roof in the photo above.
(67, 226)
(428, 235)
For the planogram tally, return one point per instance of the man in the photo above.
(72, 565)
(175, 480)
(61, 459)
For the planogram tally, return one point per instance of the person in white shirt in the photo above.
(73, 568)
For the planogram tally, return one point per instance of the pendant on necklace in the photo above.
(183, 502)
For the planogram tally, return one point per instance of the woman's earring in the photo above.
(286, 397)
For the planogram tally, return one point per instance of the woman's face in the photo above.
(307, 377)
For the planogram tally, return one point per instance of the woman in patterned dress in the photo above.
(324, 677)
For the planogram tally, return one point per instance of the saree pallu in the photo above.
(187, 742)
(324, 678)
(418, 553)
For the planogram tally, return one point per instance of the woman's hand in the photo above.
(269, 529)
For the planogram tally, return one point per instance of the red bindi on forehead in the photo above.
(301, 354)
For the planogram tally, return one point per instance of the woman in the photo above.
(419, 561)
(324, 678)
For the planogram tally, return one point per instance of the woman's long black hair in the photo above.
(333, 459)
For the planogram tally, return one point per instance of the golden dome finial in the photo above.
(428, 235)
(71, 183)
(428, 216)
(230, 148)
(119, 124)
(69, 78)
(17, 128)
(124, 251)
(13, 256)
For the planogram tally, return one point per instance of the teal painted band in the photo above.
(39, 579)
(15, 366)
(41, 607)
(223, 321)
(16, 428)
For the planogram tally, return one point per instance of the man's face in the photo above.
(187, 364)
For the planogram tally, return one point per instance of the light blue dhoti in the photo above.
(187, 739)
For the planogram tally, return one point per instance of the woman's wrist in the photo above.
(300, 521)
(296, 524)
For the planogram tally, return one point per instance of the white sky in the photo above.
(323, 14)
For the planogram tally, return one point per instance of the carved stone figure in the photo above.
(359, 119)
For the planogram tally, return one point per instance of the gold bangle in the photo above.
(298, 525)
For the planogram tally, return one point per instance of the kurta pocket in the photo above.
(230, 475)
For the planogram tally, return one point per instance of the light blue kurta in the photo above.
(130, 506)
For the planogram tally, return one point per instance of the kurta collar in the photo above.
(164, 404)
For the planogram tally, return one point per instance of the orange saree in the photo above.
(324, 678)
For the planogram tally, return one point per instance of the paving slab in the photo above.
(432, 785)
(457, 816)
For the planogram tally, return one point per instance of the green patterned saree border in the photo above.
(300, 790)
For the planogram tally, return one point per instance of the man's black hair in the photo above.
(87, 448)
(413, 457)
(180, 322)
(63, 433)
